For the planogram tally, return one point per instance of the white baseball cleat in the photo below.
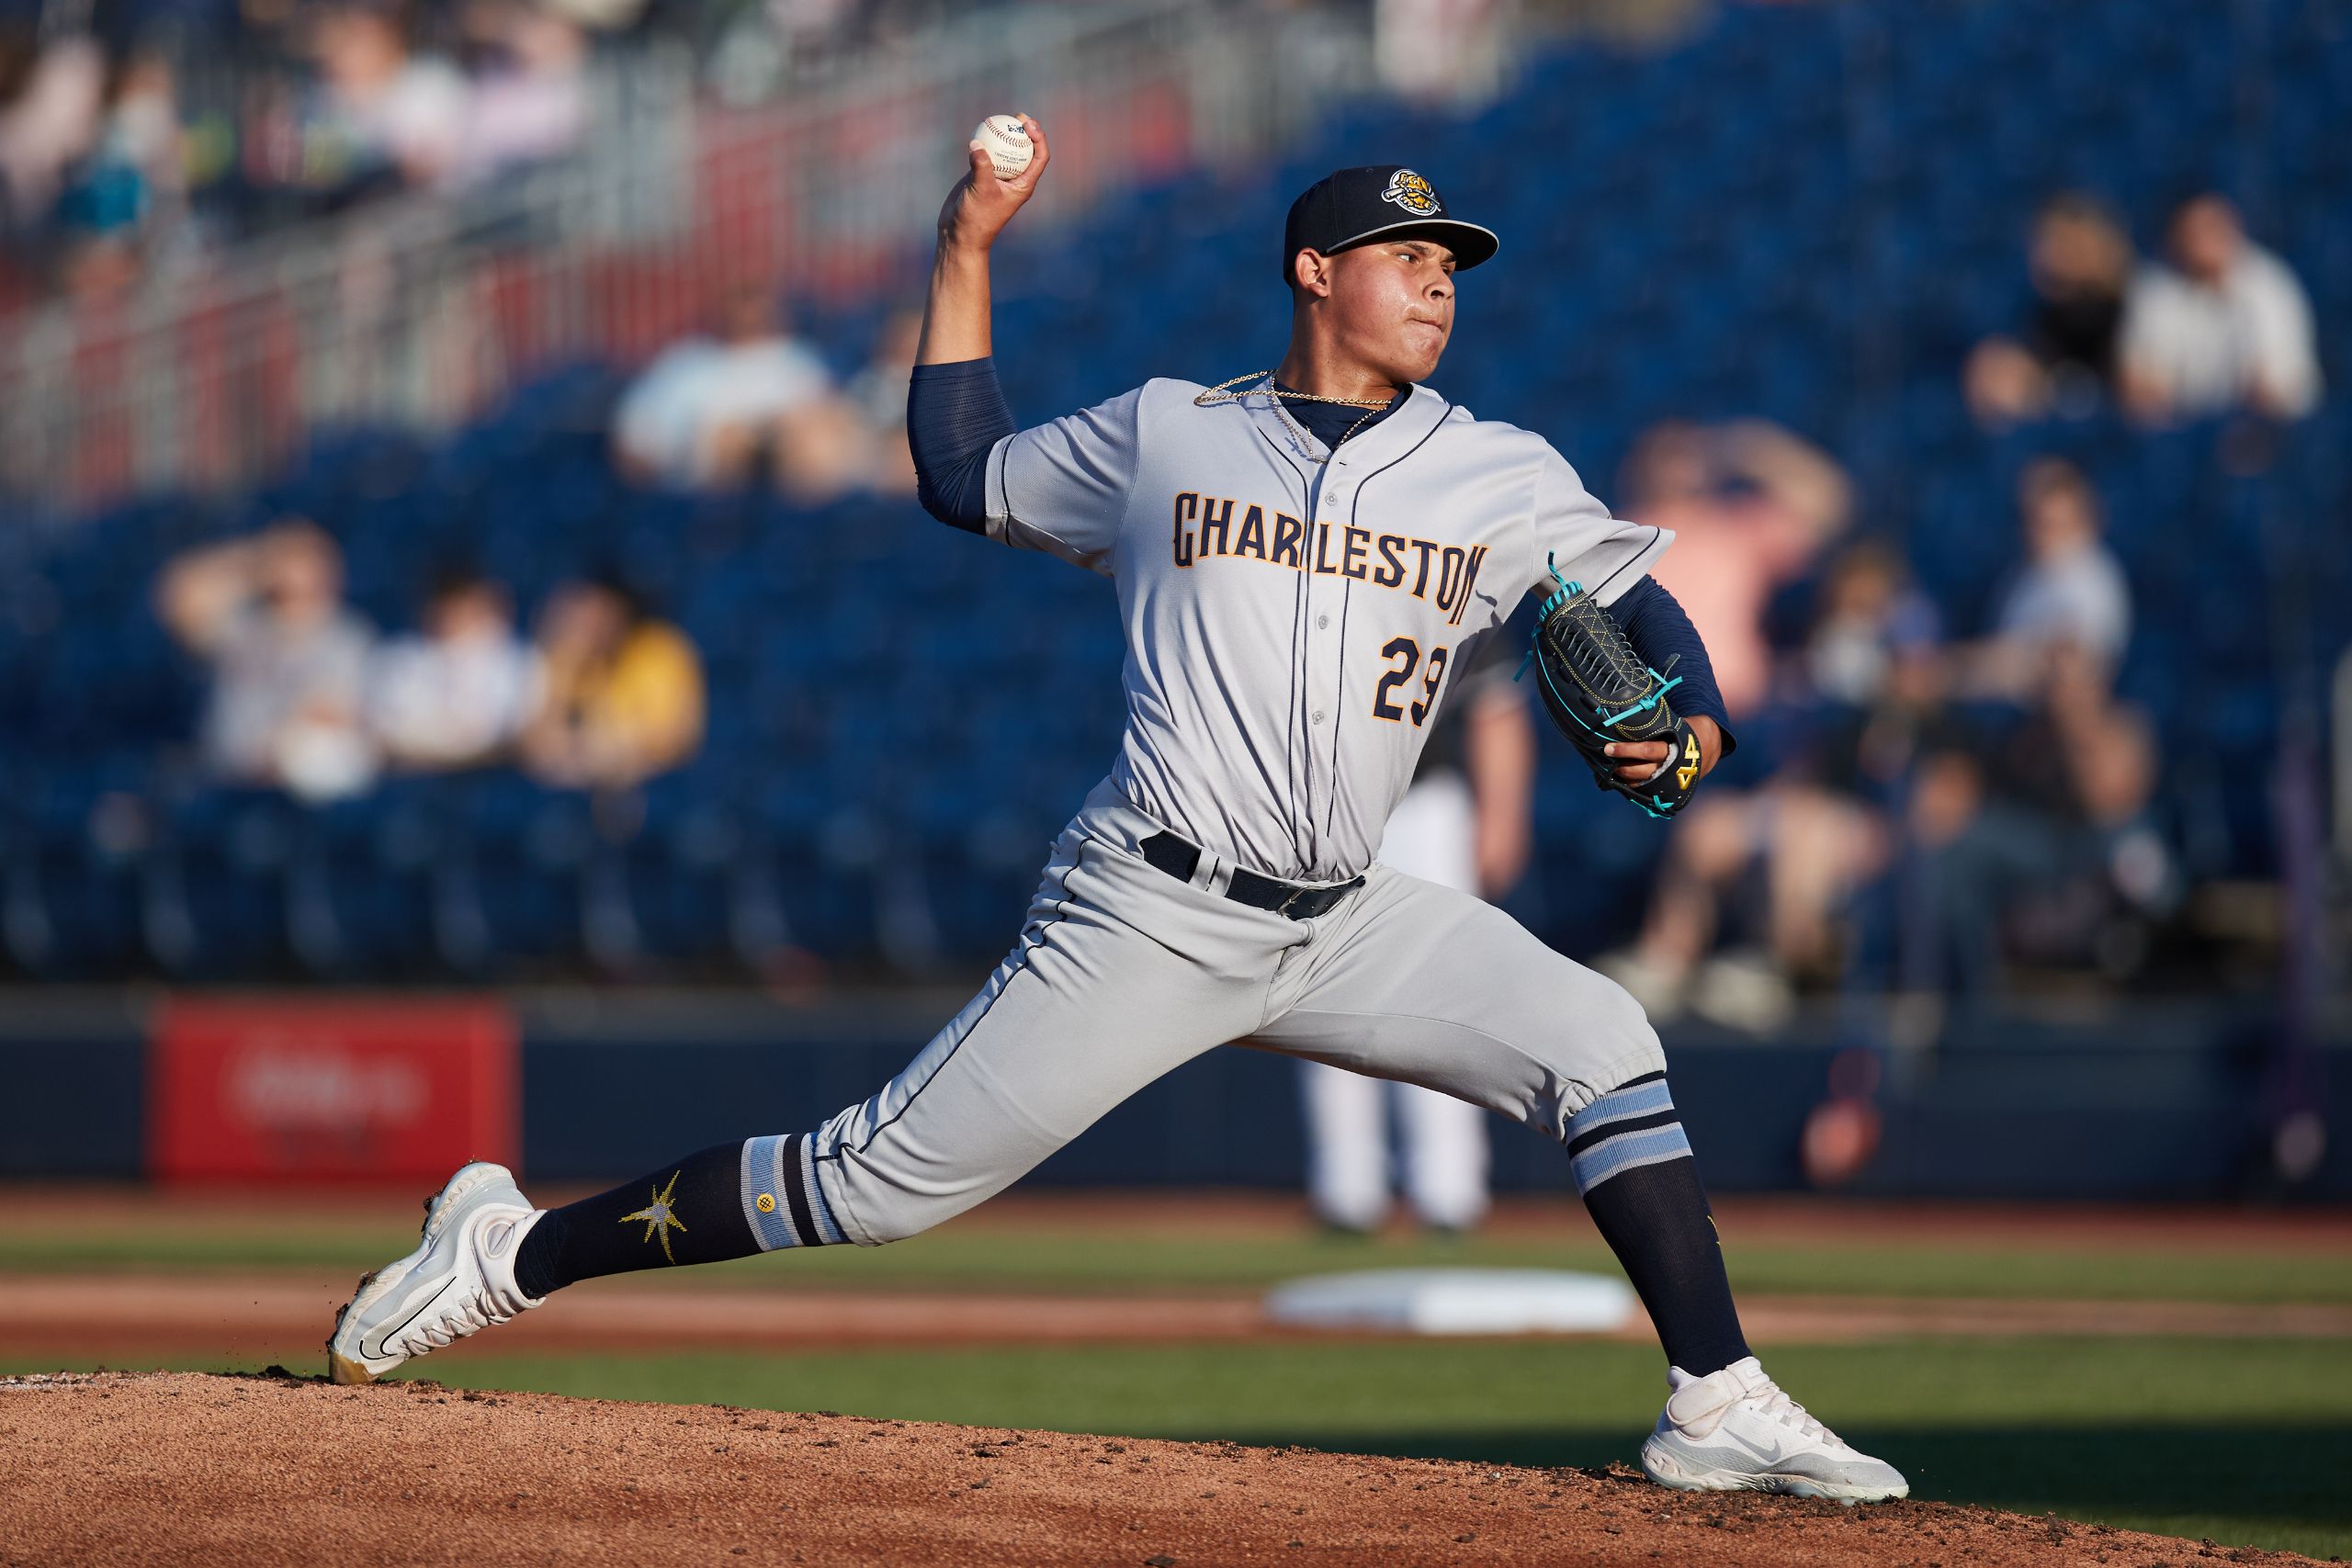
(1736, 1432)
(460, 1277)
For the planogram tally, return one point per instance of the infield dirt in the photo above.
(199, 1469)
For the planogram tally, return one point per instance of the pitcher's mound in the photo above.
(187, 1468)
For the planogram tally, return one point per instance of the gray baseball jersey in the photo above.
(1291, 627)
(1291, 623)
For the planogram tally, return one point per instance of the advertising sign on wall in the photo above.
(273, 1090)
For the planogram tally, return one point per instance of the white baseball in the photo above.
(1006, 142)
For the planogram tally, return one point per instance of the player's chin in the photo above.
(1417, 359)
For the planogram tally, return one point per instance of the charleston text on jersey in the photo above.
(1206, 527)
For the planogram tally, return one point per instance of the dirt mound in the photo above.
(185, 1468)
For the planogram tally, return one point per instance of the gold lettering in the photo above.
(1251, 540)
(1217, 516)
(1287, 530)
(1323, 567)
(1448, 575)
(1420, 583)
(1469, 580)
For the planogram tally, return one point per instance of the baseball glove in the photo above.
(1598, 691)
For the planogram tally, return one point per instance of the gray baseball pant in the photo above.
(1123, 973)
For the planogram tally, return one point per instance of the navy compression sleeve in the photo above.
(1659, 630)
(956, 415)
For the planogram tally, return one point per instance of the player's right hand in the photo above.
(981, 205)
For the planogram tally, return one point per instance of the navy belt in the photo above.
(1179, 860)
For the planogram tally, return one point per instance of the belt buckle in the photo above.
(1283, 909)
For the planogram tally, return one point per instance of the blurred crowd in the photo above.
(1907, 803)
(746, 402)
(144, 138)
(1988, 797)
(1995, 786)
(306, 696)
(137, 132)
(2217, 326)
(1929, 790)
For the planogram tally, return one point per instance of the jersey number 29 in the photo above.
(1406, 655)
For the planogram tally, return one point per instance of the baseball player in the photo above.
(1300, 554)
(1465, 823)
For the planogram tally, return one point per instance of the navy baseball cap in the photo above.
(1353, 207)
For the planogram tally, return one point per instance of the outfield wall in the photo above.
(2142, 1100)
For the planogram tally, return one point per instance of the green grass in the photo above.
(2243, 1442)
(1093, 1258)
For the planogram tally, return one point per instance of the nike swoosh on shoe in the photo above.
(385, 1337)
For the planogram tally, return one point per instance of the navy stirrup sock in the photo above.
(730, 1200)
(1632, 1165)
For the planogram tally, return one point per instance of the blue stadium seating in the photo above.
(1804, 212)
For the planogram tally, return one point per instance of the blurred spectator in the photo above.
(381, 115)
(713, 412)
(459, 693)
(2080, 264)
(51, 93)
(1875, 635)
(878, 393)
(288, 659)
(624, 695)
(1816, 831)
(2071, 592)
(2029, 818)
(130, 187)
(1751, 507)
(1441, 50)
(2036, 842)
(529, 97)
(2227, 326)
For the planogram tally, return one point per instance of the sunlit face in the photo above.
(584, 621)
(474, 612)
(302, 571)
(2074, 251)
(1861, 590)
(2059, 512)
(2206, 238)
(1391, 305)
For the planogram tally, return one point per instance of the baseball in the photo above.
(1006, 142)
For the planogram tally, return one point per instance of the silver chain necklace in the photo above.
(1221, 393)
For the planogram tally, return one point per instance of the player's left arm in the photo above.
(1660, 631)
(1576, 539)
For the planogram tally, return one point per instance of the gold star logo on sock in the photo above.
(659, 1218)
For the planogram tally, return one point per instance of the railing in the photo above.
(419, 311)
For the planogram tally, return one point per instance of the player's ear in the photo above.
(1310, 272)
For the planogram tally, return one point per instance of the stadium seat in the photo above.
(1810, 213)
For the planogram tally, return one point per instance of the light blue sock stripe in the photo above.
(1642, 1100)
(1652, 1145)
(764, 1177)
(818, 1210)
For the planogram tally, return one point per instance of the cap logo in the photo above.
(1414, 194)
